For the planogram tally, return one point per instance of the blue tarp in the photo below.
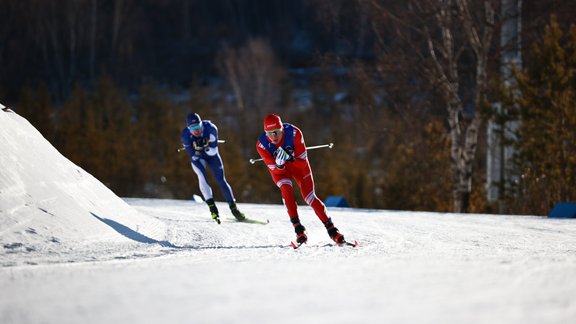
(336, 201)
(563, 210)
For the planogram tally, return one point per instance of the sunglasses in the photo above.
(274, 131)
(194, 127)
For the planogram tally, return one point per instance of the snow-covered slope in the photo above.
(50, 205)
(73, 252)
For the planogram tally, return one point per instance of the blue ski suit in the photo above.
(203, 151)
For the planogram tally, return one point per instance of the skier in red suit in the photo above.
(282, 148)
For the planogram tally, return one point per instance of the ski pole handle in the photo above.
(183, 148)
(330, 145)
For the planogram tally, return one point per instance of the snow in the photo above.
(73, 252)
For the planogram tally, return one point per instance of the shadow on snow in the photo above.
(135, 236)
(131, 234)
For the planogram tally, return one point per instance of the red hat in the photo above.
(272, 122)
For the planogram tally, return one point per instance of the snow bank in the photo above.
(48, 203)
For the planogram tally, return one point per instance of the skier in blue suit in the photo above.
(200, 139)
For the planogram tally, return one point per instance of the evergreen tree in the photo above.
(109, 130)
(36, 107)
(158, 126)
(69, 135)
(546, 146)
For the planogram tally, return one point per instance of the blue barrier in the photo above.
(563, 210)
(336, 201)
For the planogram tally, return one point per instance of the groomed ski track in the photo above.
(410, 268)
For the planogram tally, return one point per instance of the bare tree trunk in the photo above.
(229, 61)
(254, 75)
(74, 30)
(448, 29)
(186, 21)
(444, 72)
(480, 38)
(117, 23)
(58, 59)
(93, 28)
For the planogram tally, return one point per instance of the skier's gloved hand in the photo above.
(290, 152)
(200, 144)
(206, 144)
(281, 156)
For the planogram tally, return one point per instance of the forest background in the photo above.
(109, 82)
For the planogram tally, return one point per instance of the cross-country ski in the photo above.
(296, 245)
(249, 221)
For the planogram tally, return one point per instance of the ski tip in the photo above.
(355, 244)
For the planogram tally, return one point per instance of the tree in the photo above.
(450, 41)
(545, 100)
(157, 126)
(253, 75)
(36, 107)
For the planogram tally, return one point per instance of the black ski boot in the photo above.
(301, 237)
(239, 216)
(333, 232)
(213, 210)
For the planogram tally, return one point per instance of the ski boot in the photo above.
(239, 216)
(333, 232)
(301, 237)
(213, 210)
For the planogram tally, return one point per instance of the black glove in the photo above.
(200, 144)
(290, 152)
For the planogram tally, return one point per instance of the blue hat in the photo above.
(193, 118)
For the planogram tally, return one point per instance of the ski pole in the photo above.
(183, 148)
(252, 161)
